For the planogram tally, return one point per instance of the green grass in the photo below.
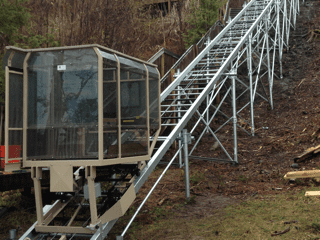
(257, 218)
(196, 177)
(16, 217)
(243, 178)
(10, 198)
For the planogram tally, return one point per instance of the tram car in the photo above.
(85, 113)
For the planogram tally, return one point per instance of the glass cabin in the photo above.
(79, 103)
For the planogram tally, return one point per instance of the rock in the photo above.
(214, 146)
(291, 92)
(292, 180)
(295, 165)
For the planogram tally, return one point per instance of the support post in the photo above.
(251, 87)
(179, 116)
(280, 42)
(36, 177)
(91, 175)
(270, 75)
(287, 25)
(186, 141)
(234, 110)
(208, 79)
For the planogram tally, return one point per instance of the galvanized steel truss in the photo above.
(255, 38)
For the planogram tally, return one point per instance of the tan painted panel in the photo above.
(64, 229)
(61, 178)
(80, 163)
(119, 209)
(9, 167)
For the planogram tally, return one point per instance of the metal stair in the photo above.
(189, 87)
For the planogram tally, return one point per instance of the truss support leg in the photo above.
(186, 141)
(234, 110)
(179, 116)
(287, 25)
(278, 37)
(270, 75)
(208, 79)
(251, 87)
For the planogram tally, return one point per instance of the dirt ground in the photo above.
(293, 126)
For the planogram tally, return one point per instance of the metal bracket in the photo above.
(189, 138)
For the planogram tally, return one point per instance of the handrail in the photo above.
(226, 14)
(176, 64)
(162, 51)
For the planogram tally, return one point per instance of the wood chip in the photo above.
(301, 82)
(292, 221)
(307, 154)
(162, 200)
(280, 233)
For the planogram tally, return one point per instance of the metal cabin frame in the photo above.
(75, 176)
(100, 161)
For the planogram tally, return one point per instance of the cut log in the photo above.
(312, 193)
(314, 34)
(162, 200)
(303, 174)
(289, 222)
(280, 233)
(310, 152)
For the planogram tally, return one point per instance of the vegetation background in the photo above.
(129, 26)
